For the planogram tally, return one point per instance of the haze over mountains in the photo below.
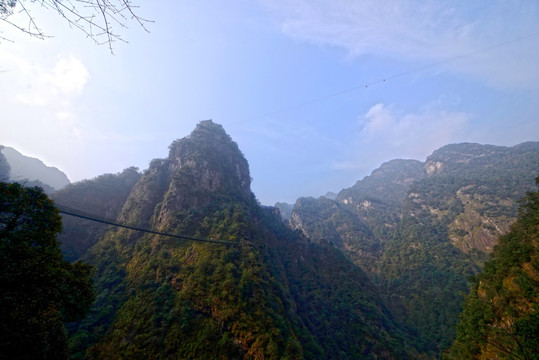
(31, 170)
(378, 270)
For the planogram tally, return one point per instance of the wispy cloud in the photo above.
(430, 31)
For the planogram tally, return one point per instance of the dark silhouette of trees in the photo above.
(39, 290)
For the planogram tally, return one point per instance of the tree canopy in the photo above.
(39, 290)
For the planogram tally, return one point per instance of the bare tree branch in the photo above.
(95, 18)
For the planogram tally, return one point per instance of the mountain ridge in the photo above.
(420, 229)
(24, 168)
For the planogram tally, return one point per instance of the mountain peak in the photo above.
(205, 167)
(209, 132)
(211, 160)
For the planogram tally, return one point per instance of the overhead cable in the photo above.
(82, 215)
(387, 78)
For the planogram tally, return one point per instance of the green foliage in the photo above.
(39, 289)
(422, 277)
(501, 315)
(194, 300)
(179, 299)
(276, 295)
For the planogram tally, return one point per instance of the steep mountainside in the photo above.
(422, 229)
(33, 171)
(270, 294)
(364, 217)
(500, 319)
(103, 197)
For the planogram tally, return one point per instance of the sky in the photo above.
(317, 94)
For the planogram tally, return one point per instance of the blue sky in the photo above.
(285, 78)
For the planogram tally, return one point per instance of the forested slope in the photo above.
(421, 229)
(500, 319)
(103, 197)
(271, 294)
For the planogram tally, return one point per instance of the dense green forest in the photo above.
(379, 271)
(39, 289)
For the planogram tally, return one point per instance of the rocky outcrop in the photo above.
(201, 167)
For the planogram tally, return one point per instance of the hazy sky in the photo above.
(317, 94)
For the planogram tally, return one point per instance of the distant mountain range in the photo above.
(32, 171)
(421, 229)
(377, 271)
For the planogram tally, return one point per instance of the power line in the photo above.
(82, 215)
(390, 77)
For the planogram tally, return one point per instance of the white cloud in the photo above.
(379, 120)
(386, 134)
(54, 86)
(430, 31)
(40, 107)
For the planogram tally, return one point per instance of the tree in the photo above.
(98, 19)
(39, 290)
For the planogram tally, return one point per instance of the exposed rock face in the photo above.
(363, 217)
(32, 169)
(208, 161)
(500, 316)
(203, 166)
(4, 167)
(474, 187)
(478, 227)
